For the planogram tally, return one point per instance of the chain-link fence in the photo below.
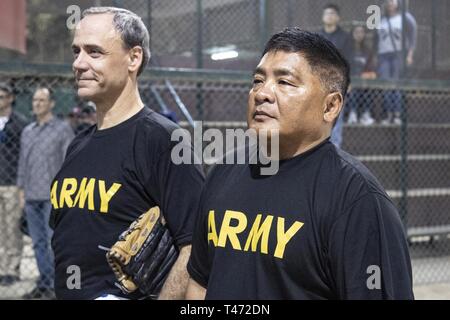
(187, 34)
(411, 159)
(410, 153)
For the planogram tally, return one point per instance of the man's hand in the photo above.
(368, 75)
(195, 291)
(409, 58)
(175, 286)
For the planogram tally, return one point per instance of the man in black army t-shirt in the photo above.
(322, 227)
(119, 168)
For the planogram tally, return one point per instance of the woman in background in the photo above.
(363, 66)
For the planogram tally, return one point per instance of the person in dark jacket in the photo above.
(11, 126)
(343, 42)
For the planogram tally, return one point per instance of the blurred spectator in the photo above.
(74, 118)
(362, 65)
(87, 118)
(82, 117)
(43, 147)
(342, 40)
(11, 126)
(388, 42)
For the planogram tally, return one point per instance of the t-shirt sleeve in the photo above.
(368, 252)
(198, 265)
(177, 188)
(411, 31)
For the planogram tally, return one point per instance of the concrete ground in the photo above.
(437, 291)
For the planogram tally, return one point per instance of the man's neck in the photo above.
(123, 107)
(330, 28)
(44, 118)
(6, 112)
(391, 14)
(290, 149)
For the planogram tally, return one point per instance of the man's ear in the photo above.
(136, 56)
(332, 106)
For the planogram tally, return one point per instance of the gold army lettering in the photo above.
(73, 193)
(259, 232)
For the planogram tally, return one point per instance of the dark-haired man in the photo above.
(322, 227)
(331, 17)
(11, 125)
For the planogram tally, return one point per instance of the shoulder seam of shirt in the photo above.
(366, 184)
(166, 131)
(168, 149)
(348, 209)
(153, 121)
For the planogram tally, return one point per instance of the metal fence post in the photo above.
(433, 34)
(199, 56)
(404, 129)
(149, 22)
(263, 26)
(290, 8)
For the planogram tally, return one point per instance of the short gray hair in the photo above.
(131, 28)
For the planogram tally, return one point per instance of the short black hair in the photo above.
(333, 6)
(323, 57)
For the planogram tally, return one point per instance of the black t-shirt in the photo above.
(342, 41)
(321, 228)
(109, 178)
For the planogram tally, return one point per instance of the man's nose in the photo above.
(266, 93)
(80, 64)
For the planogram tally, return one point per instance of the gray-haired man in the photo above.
(119, 168)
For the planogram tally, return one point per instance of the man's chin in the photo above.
(262, 126)
(85, 93)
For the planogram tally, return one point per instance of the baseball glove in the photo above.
(143, 255)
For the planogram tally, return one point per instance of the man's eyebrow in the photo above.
(260, 71)
(88, 47)
(285, 72)
(277, 72)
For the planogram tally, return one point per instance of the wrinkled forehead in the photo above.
(329, 11)
(294, 62)
(41, 94)
(393, 3)
(96, 28)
